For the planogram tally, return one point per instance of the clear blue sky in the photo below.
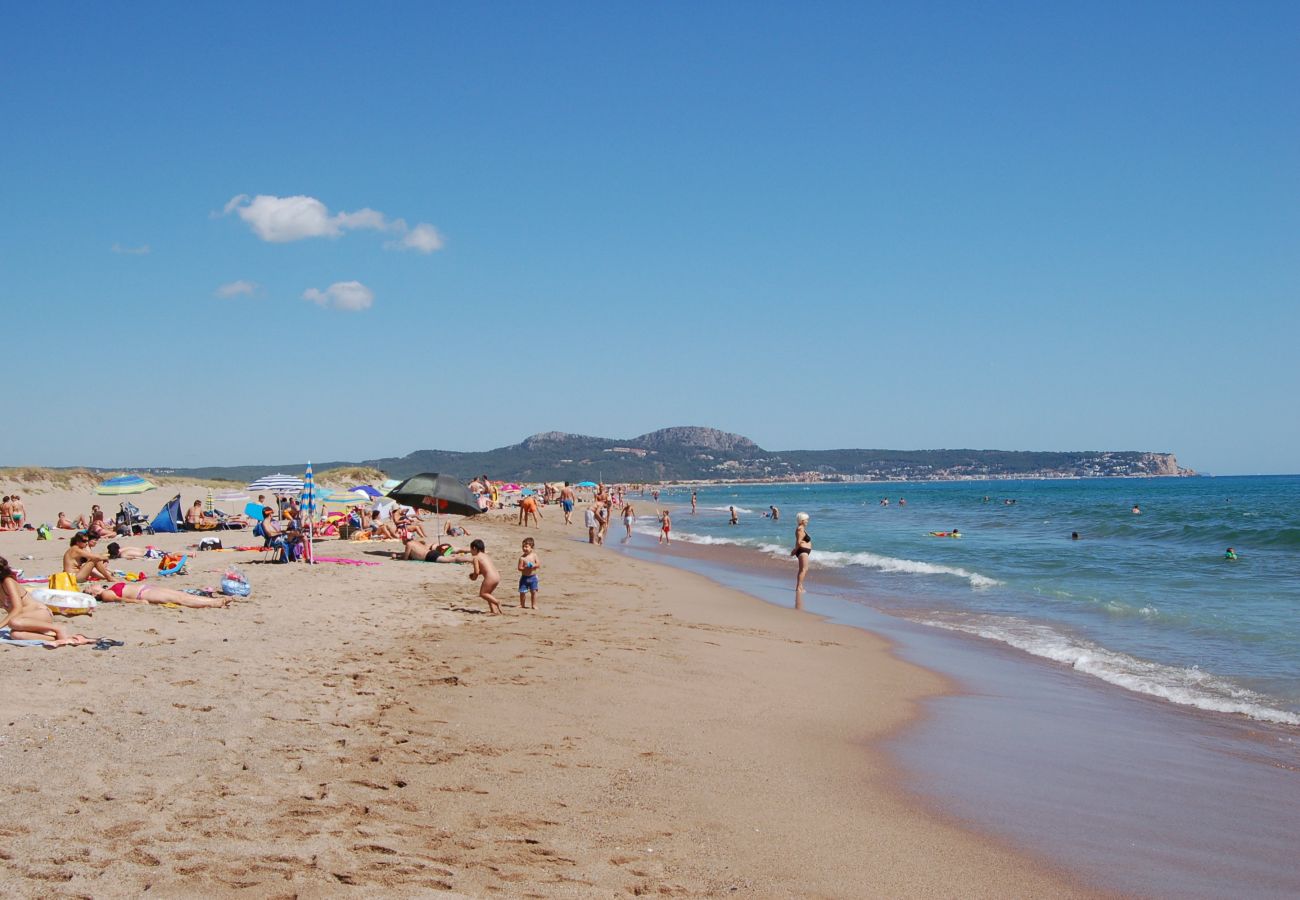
(1005, 225)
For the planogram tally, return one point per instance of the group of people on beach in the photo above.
(12, 513)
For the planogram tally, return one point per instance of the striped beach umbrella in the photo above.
(308, 503)
(125, 484)
(309, 493)
(277, 484)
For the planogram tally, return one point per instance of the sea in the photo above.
(1124, 705)
(1143, 600)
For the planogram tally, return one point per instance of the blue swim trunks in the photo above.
(567, 504)
(527, 583)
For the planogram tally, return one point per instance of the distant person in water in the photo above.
(902, 502)
(1074, 535)
(1230, 554)
(1137, 510)
(735, 519)
(694, 501)
(776, 513)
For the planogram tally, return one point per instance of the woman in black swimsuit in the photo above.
(802, 550)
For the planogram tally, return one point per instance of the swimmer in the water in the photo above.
(1230, 554)
(1137, 510)
(1074, 535)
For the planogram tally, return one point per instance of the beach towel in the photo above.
(6, 639)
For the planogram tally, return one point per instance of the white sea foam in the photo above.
(837, 559)
(1188, 686)
(893, 565)
(740, 509)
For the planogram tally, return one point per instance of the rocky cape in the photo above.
(692, 453)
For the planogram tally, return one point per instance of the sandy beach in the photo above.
(368, 730)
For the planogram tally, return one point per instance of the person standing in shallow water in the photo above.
(802, 550)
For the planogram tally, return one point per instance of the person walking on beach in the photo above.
(591, 523)
(529, 566)
(665, 528)
(566, 503)
(802, 550)
(629, 519)
(487, 570)
(602, 521)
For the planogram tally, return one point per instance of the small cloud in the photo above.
(350, 295)
(280, 220)
(142, 250)
(423, 238)
(236, 289)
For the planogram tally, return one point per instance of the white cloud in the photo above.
(423, 238)
(236, 289)
(280, 220)
(142, 250)
(350, 295)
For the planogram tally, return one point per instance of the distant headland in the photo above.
(690, 453)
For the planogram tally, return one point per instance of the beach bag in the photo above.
(43, 533)
(234, 584)
(62, 581)
(210, 544)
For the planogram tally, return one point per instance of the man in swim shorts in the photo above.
(566, 503)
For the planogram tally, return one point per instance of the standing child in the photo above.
(665, 528)
(529, 566)
(483, 566)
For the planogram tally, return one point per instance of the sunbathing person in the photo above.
(381, 530)
(194, 520)
(455, 530)
(404, 520)
(98, 527)
(117, 551)
(423, 551)
(65, 523)
(81, 563)
(134, 592)
(27, 618)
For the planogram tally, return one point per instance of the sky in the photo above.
(240, 233)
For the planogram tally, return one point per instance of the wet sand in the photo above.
(644, 731)
(1136, 795)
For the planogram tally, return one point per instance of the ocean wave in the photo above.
(838, 559)
(1186, 686)
(740, 509)
(895, 566)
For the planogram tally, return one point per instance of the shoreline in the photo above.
(1092, 750)
(644, 731)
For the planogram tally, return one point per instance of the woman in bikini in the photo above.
(129, 592)
(28, 619)
(802, 550)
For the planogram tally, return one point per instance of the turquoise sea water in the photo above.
(1146, 602)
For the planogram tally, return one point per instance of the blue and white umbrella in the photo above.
(277, 484)
(309, 493)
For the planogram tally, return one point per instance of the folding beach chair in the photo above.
(129, 520)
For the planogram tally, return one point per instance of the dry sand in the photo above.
(368, 731)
